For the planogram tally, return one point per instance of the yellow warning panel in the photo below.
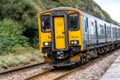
(59, 28)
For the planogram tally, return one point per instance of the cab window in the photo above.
(45, 23)
(73, 21)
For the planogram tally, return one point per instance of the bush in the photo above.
(22, 12)
(10, 35)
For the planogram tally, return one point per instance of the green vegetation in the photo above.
(18, 32)
(18, 24)
(10, 36)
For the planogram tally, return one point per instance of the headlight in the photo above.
(47, 43)
(74, 42)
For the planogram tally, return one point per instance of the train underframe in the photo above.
(75, 57)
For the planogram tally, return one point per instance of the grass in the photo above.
(21, 57)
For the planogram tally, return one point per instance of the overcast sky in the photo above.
(112, 7)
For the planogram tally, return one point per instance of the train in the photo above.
(68, 36)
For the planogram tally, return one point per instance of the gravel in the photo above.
(25, 73)
(95, 71)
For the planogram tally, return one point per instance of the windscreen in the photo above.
(73, 21)
(45, 23)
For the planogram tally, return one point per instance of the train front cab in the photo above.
(60, 36)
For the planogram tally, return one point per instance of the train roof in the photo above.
(61, 8)
(70, 8)
(64, 8)
(89, 15)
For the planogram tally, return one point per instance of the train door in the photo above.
(59, 31)
(92, 31)
(87, 31)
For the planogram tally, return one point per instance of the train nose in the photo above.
(60, 55)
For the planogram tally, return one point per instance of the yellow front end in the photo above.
(61, 42)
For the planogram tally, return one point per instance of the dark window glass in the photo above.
(113, 29)
(86, 24)
(74, 21)
(45, 23)
(119, 33)
(101, 29)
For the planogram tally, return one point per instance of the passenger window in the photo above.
(86, 24)
(92, 23)
(73, 21)
(101, 29)
(45, 23)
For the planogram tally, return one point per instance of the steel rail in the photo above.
(20, 68)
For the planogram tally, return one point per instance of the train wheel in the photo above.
(89, 56)
(105, 49)
(112, 47)
(99, 51)
(81, 58)
(95, 55)
(92, 53)
(84, 58)
(108, 49)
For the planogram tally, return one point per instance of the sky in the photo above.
(112, 7)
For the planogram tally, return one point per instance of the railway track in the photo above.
(20, 68)
(57, 74)
(25, 72)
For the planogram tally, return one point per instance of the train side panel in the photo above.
(108, 33)
(89, 31)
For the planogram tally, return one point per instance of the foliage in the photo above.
(22, 12)
(10, 35)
